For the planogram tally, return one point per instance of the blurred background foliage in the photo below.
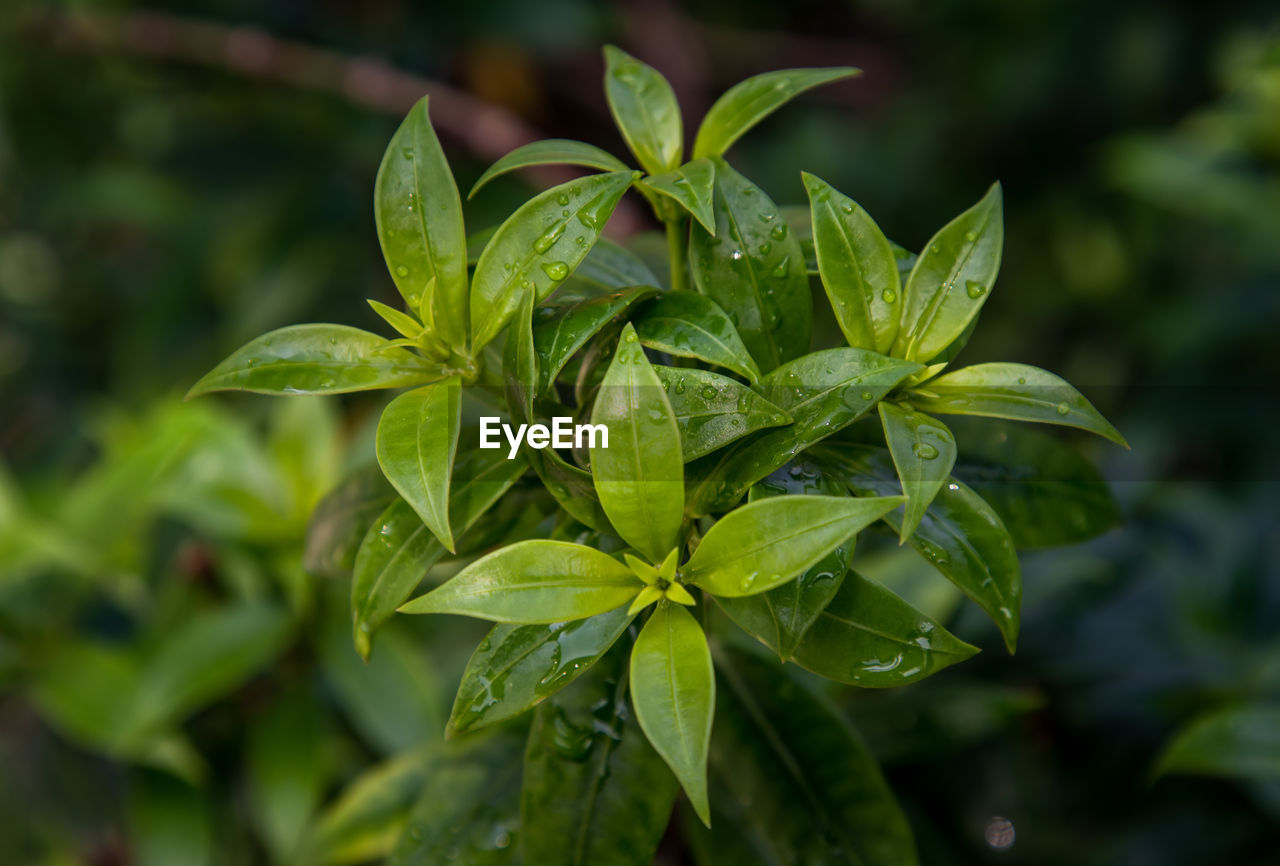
(175, 686)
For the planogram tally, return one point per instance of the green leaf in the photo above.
(923, 451)
(823, 392)
(951, 280)
(960, 534)
(534, 582)
(748, 102)
(317, 359)
(170, 822)
(78, 688)
(469, 809)
(339, 522)
(609, 267)
(517, 666)
(644, 108)
(405, 325)
(869, 637)
(770, 541)
(640, 475)
(287, 770)
(572, 488)
(419, 219)
(793, 783)
(564, 330)
(689, 325)
(417, 440)
(1238, 742)
(538, 247)
(713, 410)
(398, 549)
(1046, 494)
(692, 186)
(595, 792)
(553, 151)
(753, 268)
(1015, 391)
(520, 361)
(673, 688)
(858, 267)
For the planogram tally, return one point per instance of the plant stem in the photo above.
(677, 253)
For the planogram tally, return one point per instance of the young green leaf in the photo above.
(644, 108)
(1240, 742)
(690, 325)
(417, 440)
(748, 102)
(398, 549)
(754, 269)
(859, 270)
(419, 220)
(673, 688)
(520, 361)
(692, 186)
(533, 582)
(768, 542)
(640, 475)
(923, 451)
(1015, 391)
(553, 151)
(407, 326)
(538, 247)
(951, 280)
(517, 666)
(566, 330)
(869, 637)
(713, 410)
(317, 359)
(595, 792)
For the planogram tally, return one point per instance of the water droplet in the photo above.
(748, 582)
(407, 152)
(866, 395)
(564, 199)
(847, 208)
(556, 270)
(889, 296)
(766, 217)
(764, 249)
(783, 267)
(971, 236)
(547, 238)
(778, 232)
(1063, 409)
(975, 289)
(402, 271)
(709, 392)
(736, 255)
(632, 338)
(1022, 380)
(925, 451)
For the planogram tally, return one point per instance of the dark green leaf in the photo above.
(533, 582)
(572, 488)
(690, 325)
(1239, 742)
(340, 520)
(287, 770)
(609, 266)
(692, 186)
(1015, 391)
(563, 331)
(951, 280)
(317, 359)
(748, 102)
(538, 247)
(553, 151)
(923, 452)
(645, 110)
(753, 268)
(673, 688)
(713, 410)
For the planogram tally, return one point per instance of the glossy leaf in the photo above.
(869, 637)
(609, 267)
(538, 247)
(1015, 391)
(419, 220)
(673, 689)
(520, 361)
(552, 151)
(823, 392)
(338, 524)
(770, 541)
(644, 108)
(793, 783)
(417, 440)
(858, 268)
(565, 330)
(572, 488)
(1238, 742)
(533, 582)
(287, 770)
(692, 186)
(689, 325)
(398, 549)
(713, 410)
(951, 280)
(748, 102)
(640, 476)
(595, 792)
(1046, 494)
(405, 325)
(469, 809)
(960, 535)
(924, 451)
(517, 666)
(754, 269)
(317, 359)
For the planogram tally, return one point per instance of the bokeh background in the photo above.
(177, 177)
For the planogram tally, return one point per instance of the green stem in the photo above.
(677, 253)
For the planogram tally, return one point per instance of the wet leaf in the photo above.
(923, 452)
(689, 325)
(1237, 742)
(692, 187)
(552, 151)
(566, 329)
(713, 410)
(644, 108)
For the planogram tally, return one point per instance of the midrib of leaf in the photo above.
(681, 727)
(963, 541)
(696, 327)
(501, 673)
(857, 269)
(422, 221)
(944, 291)
(603, 583)
(422, 467)
(332, 364)
(376, 584)
(826, 392)
(633, 416)
(775, 356)
(776, 540)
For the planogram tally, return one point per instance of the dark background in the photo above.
(178, 177)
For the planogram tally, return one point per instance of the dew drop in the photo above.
(778, 232)
(556, 270)
(748, 582)
(1063, 409)
(1022, 380)
(889, 296)
(783, 267)
(564, 199)
(709, 392)
(925, 451)
(975, 289)
(736, 255)
(402, 271)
